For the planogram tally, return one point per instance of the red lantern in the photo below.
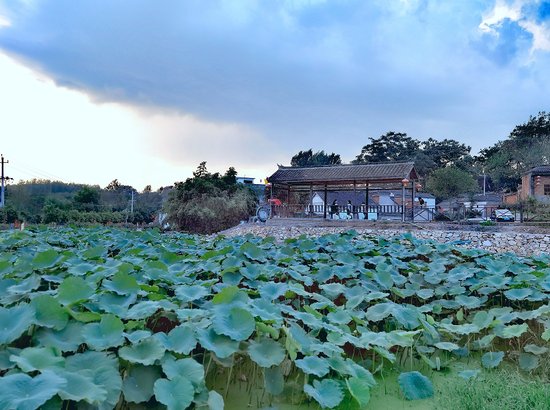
(405, 181)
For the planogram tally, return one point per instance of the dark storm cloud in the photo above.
(307, 74)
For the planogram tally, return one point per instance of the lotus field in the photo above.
(103, 318)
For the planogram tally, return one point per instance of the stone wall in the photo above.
(519, 243)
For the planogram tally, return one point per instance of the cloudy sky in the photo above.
(143, 91)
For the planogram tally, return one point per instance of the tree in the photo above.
(308, 158)
(450, 182)
(87, 195)
(527, 146)
(390, 147)
(114, 185)
(208, 202)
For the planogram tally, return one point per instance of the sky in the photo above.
(144, 91)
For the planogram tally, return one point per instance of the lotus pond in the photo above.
(98, 318)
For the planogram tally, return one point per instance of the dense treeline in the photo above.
(45, 201)
(527, 146)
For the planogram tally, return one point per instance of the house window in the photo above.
(546, 189)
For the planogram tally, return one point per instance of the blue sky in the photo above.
(143, 91)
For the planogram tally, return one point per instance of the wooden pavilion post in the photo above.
(310, 212)
(366, 199)
(325, 210)
(288, 214)
(354, 208)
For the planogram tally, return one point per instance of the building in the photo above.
(536, 183)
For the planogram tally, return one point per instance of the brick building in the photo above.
(536, 183)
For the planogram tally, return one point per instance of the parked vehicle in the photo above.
(502, 215)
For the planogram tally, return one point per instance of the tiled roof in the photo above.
(540, 170)
(378, 172)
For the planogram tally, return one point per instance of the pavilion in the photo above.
(349, 177)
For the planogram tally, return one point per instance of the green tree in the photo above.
(450, 182)
(390, 147)
(208, 202)
(308, 158)
(87, 195)
(527, 146)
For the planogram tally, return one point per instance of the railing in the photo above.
(392, 212)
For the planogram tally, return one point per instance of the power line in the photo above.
(40, 172)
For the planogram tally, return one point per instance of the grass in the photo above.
(497, 390)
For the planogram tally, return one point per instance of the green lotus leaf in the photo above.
(102, 369)
(464, 329)
(14, 321)
(341, 317)
(333, 290)
(176, 394)
(81, 387)
(221, 345)
(273, 381)
(361, 373)
(238, 325)
(273, 290)
(528, 361)
(81, 268)
(138, 335)
(213, 402)
(407, 316)
(25, 286)
(181, 339)
(137, 387)
(67, 340)
(39, 358)
(359, 390)
(146, 352)
(492, 359)
(425, 293)
(384, 278)
(415, 386)
(49, 312)
(95, 253)
(483, 319)
(468, 374)
(535, 349)
(447, 346)
(379, 311)
(518, 294)
(514, 330)
(122, 284)
(228, 295)
(187, 293)
(266, 310)
(267, 352)
(498, 282)
(253, 252)
(188, 368)
(107, 333)
(22, 392)
(5, 354)
(469, 302)
(46, 259)
(72, 290)
(485, 342)
(169, 258)
(313, 365)
(143, 310)
(327, 392)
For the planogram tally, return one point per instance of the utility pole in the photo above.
(132, 202)
(3, 178)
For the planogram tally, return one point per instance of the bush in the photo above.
(209, 203)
